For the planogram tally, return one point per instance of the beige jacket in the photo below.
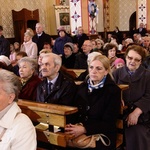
(20, 133)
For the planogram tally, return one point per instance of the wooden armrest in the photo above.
(58, 138)
(123, 86)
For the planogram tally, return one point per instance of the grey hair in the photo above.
(40, 24)
(33, 63)
(91, 56)
(129, 40)
(56, 58)
(10, 83)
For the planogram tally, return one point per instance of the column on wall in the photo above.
(50, 21)
(75, 16)
(106, 16)
(148, 16)
(141, 12)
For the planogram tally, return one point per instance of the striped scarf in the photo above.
(91, 86)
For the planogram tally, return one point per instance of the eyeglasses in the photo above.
(135, 59)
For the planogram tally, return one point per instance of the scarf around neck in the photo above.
(91, 86)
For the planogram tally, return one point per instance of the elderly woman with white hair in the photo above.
(127, 42)
(99, 45)
(16, 129)
(29, 78)
(28, 46)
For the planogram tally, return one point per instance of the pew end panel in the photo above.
(119, 123)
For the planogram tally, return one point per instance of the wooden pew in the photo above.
(77, 72)
(45, 115)
(119, 123)
(52, 114)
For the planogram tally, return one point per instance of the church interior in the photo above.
(123, 14)
(57, 24)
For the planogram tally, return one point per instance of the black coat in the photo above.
(142, 32)
(62, 93)
(69, 61)
(4, 46)
(81, 61)
(98, 110)
(41, 40)
(80, 40)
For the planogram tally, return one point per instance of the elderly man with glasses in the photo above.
(81, 59)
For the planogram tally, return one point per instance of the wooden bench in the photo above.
(51, 114)
(45, 115)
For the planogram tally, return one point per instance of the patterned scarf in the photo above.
(24, 81)
(91, 86)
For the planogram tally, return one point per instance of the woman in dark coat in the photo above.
(68, 58)
(137, 98)
(98, 101)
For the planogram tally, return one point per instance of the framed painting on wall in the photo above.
(63, 17)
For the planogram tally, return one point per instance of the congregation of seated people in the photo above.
(42, 65)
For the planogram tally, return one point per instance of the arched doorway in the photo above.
(132, 24)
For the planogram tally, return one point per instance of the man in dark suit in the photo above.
(81, 59)
(142, 30)
(40, 37)
(55, 88)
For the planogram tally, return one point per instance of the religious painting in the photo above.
(93, 10)
(64, 19)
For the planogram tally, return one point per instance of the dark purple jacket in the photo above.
(28, 91)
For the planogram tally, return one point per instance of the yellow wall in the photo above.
(120, 11)
(85, 18)
(50, 17)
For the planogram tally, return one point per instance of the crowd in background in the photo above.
(41, 64)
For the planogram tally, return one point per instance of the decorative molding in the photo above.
(106, 16)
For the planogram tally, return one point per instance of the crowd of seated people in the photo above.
(42, 68)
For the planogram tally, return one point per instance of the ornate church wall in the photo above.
(6, 12)
(120, 12)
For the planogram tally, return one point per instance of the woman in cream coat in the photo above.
(16, 130)
(28, 46)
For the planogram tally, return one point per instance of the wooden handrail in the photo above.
(48, 108)
(43, 115)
